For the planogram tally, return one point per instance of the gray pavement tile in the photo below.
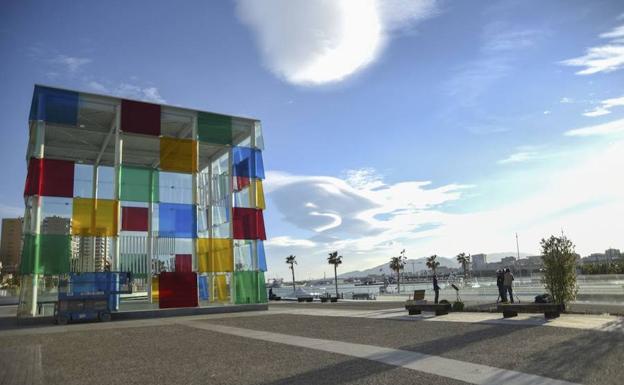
(176, 354)
(590, 357)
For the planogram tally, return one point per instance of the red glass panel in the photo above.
(140, 118)
(50, 177)
(183, 263)
(134, 218)
(177, 290)
(248, 223)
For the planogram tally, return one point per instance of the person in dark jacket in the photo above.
(436, 288)
(500, 279)
(508, 279)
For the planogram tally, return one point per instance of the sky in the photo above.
(432, 126)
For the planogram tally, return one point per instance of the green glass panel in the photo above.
(250, 287)
(214, 128)
(46, 254)
(136, 182)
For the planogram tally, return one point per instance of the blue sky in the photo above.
(435, 126)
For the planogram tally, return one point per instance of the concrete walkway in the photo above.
(439, 366)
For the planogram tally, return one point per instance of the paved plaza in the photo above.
(343, 343)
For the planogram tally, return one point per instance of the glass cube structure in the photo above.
(172, 195)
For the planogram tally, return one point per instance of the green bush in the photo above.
(444, 302)
(458, 306)
(559, 269)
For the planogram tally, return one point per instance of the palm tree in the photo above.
(335, 259)
(291, 261)
(397, 264)
(464, 260)
(432, 263)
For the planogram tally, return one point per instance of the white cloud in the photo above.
(603, 58)
(519, 157)
(605, 107)
(133, 91)
(286, 241)
(566, 100)
(71, 63)
(613, 127)
(583, 196)
(313, 42)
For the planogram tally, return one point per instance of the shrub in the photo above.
(559, 269)
(458, 306)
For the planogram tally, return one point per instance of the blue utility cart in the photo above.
(90, 296)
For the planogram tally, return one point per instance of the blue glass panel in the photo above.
(262, 265)
(177, 220)
(247, 162)
(54, 106)
(203, 287)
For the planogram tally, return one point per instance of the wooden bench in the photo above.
(416, 308)
(550, 310)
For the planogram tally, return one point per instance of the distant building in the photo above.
(478, 261)
(11, 244)
(56, 225)
(508, 261)
(612, 254)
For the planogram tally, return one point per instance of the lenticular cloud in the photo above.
(313, 42)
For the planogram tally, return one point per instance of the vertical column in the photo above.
(94, 195)
(36, 214)
(196, 200)
(253, 201)
(231, 211)
(150, 237)
(116, 182)
(209, 203)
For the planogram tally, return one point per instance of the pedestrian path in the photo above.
(575, 321)
(440, 366)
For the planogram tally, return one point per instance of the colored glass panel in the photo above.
(94, 217)
(250, 287)
(220, 288)
(177, 220)
(155, 291)
(50, 177)
(178, 155)
(46, 254)
(140, 118)
(183, 263)
(177, 290)
(248, 223)
(134, 218)
(215, 255)
(203, 287)
(262, 265)
(54, 106)
(138, 184)
(260, 195)
(247, 162)
(214, 128)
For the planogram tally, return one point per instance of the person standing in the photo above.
(502, 294)
(508, 284)
(436, 288)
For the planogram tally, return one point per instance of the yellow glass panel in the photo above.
(155, 295)
(221, 290)
(215, 255)
(259, 195)
(178, 155)
(94, 217)
(82, 210)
